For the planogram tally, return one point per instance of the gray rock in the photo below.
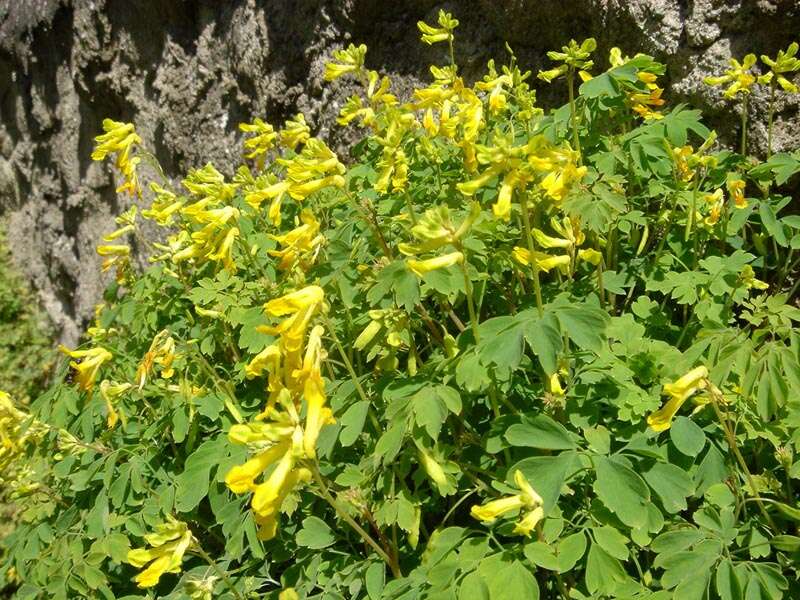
(187, 72)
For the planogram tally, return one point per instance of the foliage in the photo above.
(25, 346)
(506, 353)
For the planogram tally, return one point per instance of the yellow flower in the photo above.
(351, 60)
(739, 77)
(263, 140)
(317, 414)
(784, 62)
(574, 56)
(120, 138)
(736, 190)
(164, 206)
(241, 478)
(678, 392)
(295, 132)
(420, 267)
(748, 278)
(545, 262)
(169, 543)
(111, 392)
(433, 469)
(162, 353)
(443, 33)
(89, 366)
(528, 500)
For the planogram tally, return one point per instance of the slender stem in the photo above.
(573, 112)
(537, 287)
(473, 316)
(410, 207)
(222, 574)
(326, 495)
(715, 398)
(350, 370)
(770, 114)
(743, 150)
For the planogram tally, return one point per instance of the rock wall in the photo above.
(187, 72)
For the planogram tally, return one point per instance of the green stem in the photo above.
(222, 574)
(411, 212)
(770, 114)
(473, 316)
(350, 370)
(743, 150)
(731, 439)
(573, 112)
(537, 287)
(326, 495)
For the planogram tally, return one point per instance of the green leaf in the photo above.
(786, 543)
(603, 572)
(771, 224)
(570, 550)
(726, 581)
(512, 583)
(544, 338)
(192, 484)
(546, 474)
(672, 484)
(540, 432)
(612, 541)
(352, 422)
(375, 579)
(315, 534)
(585, 325)
(687, 436)
(622, 490)
(473, 587)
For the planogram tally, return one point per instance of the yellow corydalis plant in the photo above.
(443, 33)
(739, 76)
(161, 353)
(278, 434)
(111, 392)
(88, 363)
(262, 141)
(169, 543)
(679, 392)
(528, 501)
(574, 57)
(300, 244)
(348, 60)
(120, 139)
(784, 63)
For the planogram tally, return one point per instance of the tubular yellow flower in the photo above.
(433, 469)
(739, 77)
(736, 190)
(241, 478)
(269, 359)
(169, 543)
(262, 142)
(120, 138)
(784, 62)
(443, 33)
(311, 295)
(545, 262)
(111, 392)
(89, 366)
(162, 353)
(295, 132)
(420, 267)
(678, 392)
(527, 499)
(351, 60)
